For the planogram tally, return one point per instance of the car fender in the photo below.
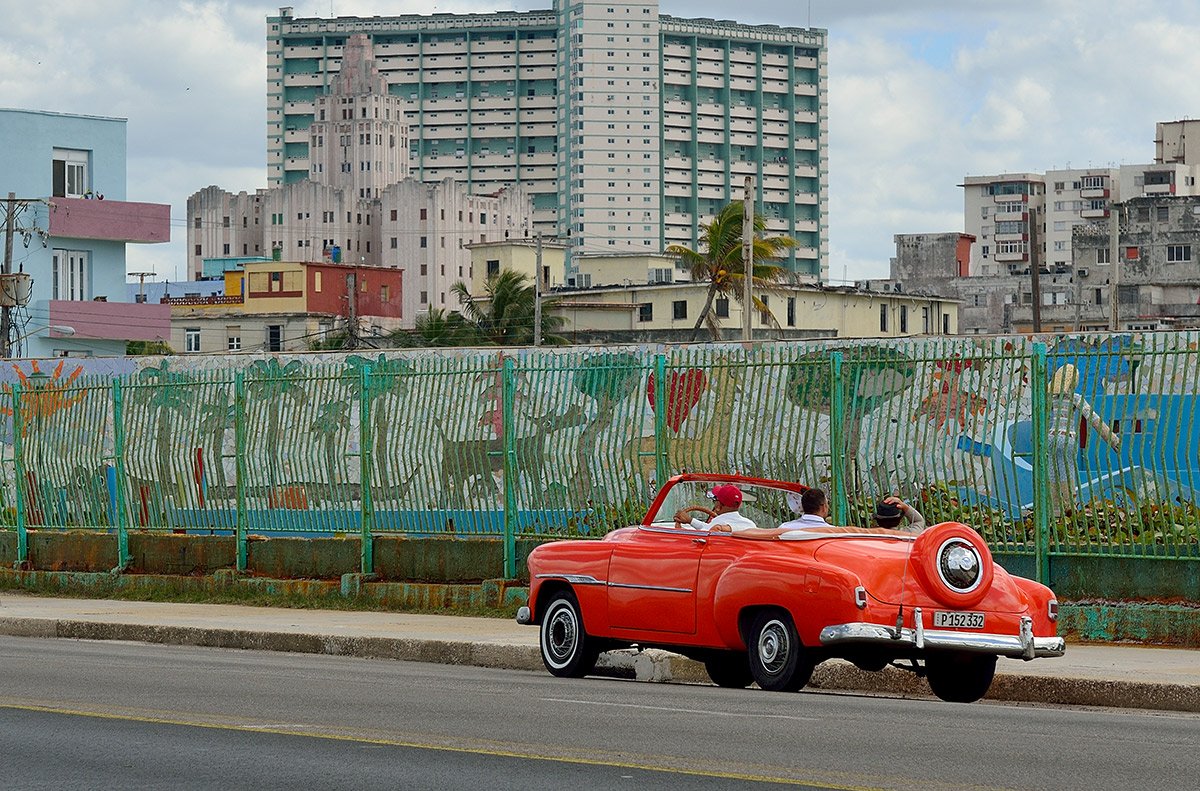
(580, 565)
(815, 594)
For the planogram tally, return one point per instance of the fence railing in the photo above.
(1088, 446)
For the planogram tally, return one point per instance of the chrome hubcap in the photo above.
(773, 646)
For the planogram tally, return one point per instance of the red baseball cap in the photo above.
(727, 495)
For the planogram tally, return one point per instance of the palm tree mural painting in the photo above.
(609, 379)
(170, 395)
(719, 263)
(871, 376)
(271, 385)
(387, 376)
(216, 418)
(332, 424)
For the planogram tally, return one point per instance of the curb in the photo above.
(649, 665)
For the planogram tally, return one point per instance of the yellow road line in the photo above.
(284, 731)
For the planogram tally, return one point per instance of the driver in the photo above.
(723, 516)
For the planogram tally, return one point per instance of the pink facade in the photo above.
(110, 220)
(121, 321)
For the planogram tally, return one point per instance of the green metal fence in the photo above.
(1087, 446)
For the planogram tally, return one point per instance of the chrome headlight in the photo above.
(959, 565)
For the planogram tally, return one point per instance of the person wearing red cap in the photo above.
(723, 516)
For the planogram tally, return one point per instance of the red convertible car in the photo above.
(768, 610)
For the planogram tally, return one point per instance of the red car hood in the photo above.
(882, 566)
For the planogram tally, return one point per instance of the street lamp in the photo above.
(56, 331)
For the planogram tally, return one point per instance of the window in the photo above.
(493, 267)
(71, 275)
(385, 293)
(274, 337)
(904, 318)
(679, 309)
(791, 312)
(883, 317)
(424, 241)
(1102, 256)
(1163, 213)
(1179, 253)
(646, 311)
(233, 339)
(722, 308)
(69, 173)
(191, 339)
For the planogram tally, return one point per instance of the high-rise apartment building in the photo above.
(628, 128)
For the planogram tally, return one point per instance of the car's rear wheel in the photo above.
(777, 658)
(960, 678)
(567, 650)
(729, 669)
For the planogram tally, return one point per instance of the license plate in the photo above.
(958, 620)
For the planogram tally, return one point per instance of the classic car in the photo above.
(767, 611)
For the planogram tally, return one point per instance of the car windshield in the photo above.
(765, 505)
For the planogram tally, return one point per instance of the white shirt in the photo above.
(735, 521)
(805, 520)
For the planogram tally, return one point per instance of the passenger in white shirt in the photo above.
(727, 499)
(814, 511)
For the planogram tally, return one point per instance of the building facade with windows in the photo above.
(1158, 262)
(627, 127)
(358, 202)
(284, 306)
(72, 222)
(631, 299)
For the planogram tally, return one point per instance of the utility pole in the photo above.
(10, 210)
(537, 294)
(1035, 268)
(748, 260)
(141, 276)
(352, 310)
(1114, 273)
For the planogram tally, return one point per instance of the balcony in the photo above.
(1093, 192)
(1006, 257)
(1093, 214)
(110, 220)
(214, 299)
(113, 321)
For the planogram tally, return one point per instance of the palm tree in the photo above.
(720, 263)
(503, 316)
(438, 327)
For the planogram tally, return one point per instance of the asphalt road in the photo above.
(84, 715)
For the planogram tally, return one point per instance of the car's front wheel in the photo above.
(777, 658)
(567, 651)
(729, 669)
(960, 678)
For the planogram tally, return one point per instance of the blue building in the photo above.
(72, 221)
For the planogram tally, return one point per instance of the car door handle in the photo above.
(699, 541)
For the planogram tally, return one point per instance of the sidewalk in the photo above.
(1097, 675)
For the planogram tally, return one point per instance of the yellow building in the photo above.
(632, 298)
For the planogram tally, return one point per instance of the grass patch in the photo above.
(236, 593)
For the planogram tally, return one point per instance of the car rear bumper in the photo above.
(1019, 646)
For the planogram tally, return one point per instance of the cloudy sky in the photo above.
(921, 92)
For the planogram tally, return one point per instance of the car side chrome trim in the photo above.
(1018, 646)
(574, 579)
(648, 587)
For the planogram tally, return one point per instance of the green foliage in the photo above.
(504, 314)
(147, 348)
(1116, 523)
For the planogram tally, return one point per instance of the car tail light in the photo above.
(1052, 609)
(860, 597)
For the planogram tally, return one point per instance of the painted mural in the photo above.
(573, 442)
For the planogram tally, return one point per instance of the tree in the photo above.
(438, 327)
(720, 263)
(504, 315)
